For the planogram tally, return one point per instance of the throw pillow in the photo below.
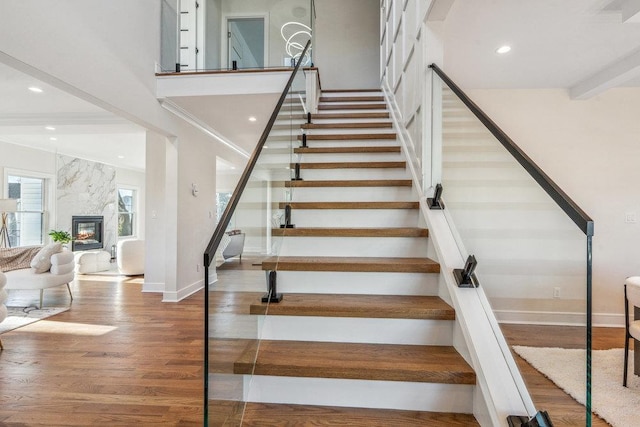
(41, 263)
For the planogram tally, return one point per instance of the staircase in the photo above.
(361, 337)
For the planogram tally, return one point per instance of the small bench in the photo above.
(92, 261)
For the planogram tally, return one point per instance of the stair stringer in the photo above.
(500, 390)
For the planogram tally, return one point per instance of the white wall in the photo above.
(347, 49)
(105, 53)
(590, 149)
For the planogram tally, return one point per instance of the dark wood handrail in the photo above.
(579, 217)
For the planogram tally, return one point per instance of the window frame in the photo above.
(48, 202)
(135, 207)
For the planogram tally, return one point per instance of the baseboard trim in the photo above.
(153, 287)
(183, 293)
(613, 320)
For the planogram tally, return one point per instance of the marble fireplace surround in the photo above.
(86, 188)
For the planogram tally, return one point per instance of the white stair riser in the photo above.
(354, 246)
(352, 194)
(360, 393)
(369, 283)
(348, 157)
(354, 217)
(354, 120)
(349, 174)
(349, 131)
(357, 330)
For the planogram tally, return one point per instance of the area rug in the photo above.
(18, 317)
(619, 406)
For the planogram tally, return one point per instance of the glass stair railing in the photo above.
(531, 242)
(232, 334)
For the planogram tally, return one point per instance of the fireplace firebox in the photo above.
(87, 232)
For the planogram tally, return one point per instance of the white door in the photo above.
(246, 42)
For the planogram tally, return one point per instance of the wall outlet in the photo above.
(197, 267)
(630, 217)
(556, 292)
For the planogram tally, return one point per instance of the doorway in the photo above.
(246, 42)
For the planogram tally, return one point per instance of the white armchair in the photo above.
(130, 257)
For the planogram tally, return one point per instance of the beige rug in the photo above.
(619, 406)
(21, 316)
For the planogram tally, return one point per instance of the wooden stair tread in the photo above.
(348, 136)
(351, 165)
(274, 414)
(380, 106)
(363, 306)
(364, 125)
(351, 264)
(323, 150)
(350, 205)
(333, 116)
(351, 183)
(362, 98)
(351, 232)
(382, 362)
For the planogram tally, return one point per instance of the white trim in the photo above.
(224, 40)
(49, 215)
(198, 124)
(607, 320)
(136, 210)
(155, 287)
(177, 296)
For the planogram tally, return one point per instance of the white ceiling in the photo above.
(81, 129)
(555, 43)
(572, 44)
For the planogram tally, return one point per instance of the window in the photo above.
(126, 212)
(26, 226)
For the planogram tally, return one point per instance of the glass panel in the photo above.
(234, 34)
(531, 255)
(126, 205)
(26, 226)
(247, 253)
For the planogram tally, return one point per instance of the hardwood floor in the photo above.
(562, 408)
(118, 357)
(121, 357)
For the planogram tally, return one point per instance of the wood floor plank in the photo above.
(271, 415)
(351, 183)
(350, 205)
(382, 362)
(351, 232)
(363, 306)
(353, 264)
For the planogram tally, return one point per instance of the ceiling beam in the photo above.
(631, 11)
(612, 75)
(438, 10)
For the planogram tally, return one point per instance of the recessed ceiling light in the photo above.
(49, 128)
(503, 49)
(252, 119)
(35, 89)
(121, 157)
(53, 138)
